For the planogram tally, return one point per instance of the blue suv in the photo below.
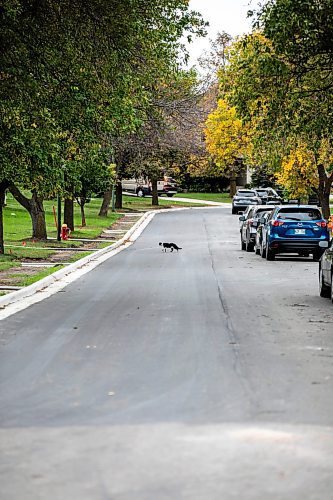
(297, 229)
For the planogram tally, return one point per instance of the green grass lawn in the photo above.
(219, 197)
(17, 232)
(17, 222)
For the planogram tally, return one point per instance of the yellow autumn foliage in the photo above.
(326, 153)
(227, 138)
(298, 173)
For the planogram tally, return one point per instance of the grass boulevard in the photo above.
(26, 261)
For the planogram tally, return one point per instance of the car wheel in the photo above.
(316, 255)
(262, 251)
(270, 255)
(140, 193)
(233, 211)
(249, 246)
(242, 244)
(324, 290)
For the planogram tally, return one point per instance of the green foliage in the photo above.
(75, 76)
(280, 80)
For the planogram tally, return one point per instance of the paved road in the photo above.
(204, 374)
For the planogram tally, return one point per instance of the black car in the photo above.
(326, 273)
(244, 198)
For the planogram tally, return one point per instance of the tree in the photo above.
(301, 31)
(94, 178)
(297, 173)
(78, 72)
(262, 86)
(228, 140)
(171, 127)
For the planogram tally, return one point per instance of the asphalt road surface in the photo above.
(204, 374)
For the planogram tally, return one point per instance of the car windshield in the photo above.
(300, 214)
(246, 194)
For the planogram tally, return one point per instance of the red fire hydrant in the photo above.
(65, 232)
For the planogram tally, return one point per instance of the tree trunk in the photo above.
(3, 187)
(105, 204)
(83, 216)
(69, 213)
(37, 214)
(233, 185)
(119, 195)
(324, 191)
(36, 211)
(154, 200)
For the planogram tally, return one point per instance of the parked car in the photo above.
(268, 195)
(167, 186)
(142, 187)
(249, 223)
(263, 218)
(297, 229)
(326, 273)
(243, 198)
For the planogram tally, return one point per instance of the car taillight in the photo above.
(277, 223)
(321, 224)
(251, 222)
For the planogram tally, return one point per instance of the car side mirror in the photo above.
(242, 218)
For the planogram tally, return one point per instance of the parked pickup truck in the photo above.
(142, 187)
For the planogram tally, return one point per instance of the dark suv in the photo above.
(297, 229)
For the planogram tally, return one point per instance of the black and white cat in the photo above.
(172, 246)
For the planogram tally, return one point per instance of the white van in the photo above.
(142, 187)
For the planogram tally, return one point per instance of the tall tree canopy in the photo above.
(74, 74)
(279, 79)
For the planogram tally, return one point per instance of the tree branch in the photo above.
(23, 200)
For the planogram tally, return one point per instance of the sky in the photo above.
(222, 15)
